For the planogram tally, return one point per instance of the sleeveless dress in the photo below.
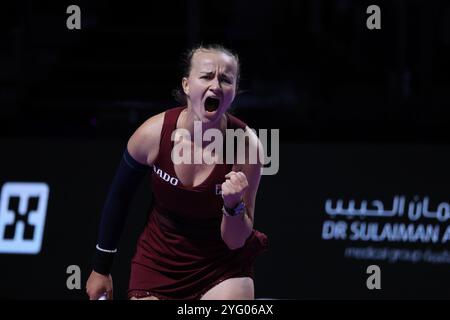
(180, 254)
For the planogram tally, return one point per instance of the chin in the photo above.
(212, 116)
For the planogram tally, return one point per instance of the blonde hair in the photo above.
(178, 93)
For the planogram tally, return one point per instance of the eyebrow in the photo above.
(223, 74)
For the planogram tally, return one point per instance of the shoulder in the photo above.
(235, 122)
(253, 145)
(252, 138)
(254, 153)
(143, 145)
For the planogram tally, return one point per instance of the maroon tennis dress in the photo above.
(180, 254)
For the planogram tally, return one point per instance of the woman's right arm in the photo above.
(142, 150)
(143, 145)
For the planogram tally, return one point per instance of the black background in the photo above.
(362, 113)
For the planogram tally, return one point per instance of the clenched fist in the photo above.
(233, 188)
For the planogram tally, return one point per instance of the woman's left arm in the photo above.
(242, 184)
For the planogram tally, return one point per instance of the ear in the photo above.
(185, 85)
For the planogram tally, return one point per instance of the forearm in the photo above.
(126, 180)
(236, 230)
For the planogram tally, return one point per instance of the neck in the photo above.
(189, 121)
(189, 118)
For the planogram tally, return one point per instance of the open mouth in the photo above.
(212, 104)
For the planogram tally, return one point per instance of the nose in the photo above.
(215, 84)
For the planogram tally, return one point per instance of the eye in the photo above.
(227, 80)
